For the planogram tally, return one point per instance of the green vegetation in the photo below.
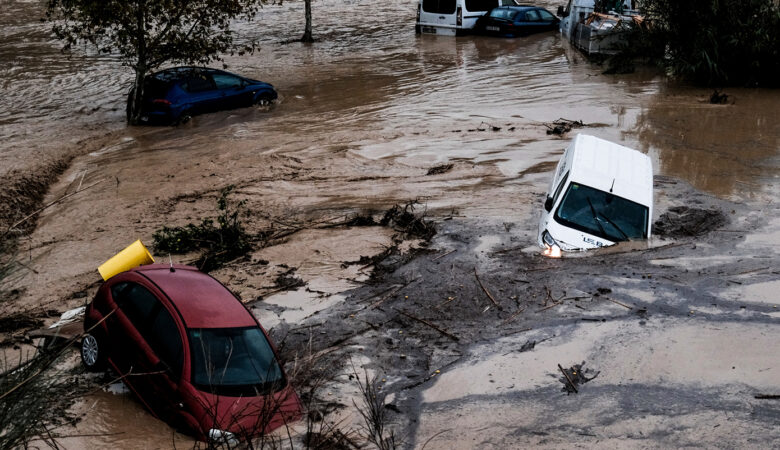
(149, 33)
(219, 242)
(711, 42)
(35, 396)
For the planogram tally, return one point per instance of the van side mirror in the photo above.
(560, 12)
(548, 204)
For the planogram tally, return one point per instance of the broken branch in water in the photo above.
(392, 293)
(485, 289)
(445, 254)
(512, 317)
(41, 209)
(548, 307)
(617, 302)
(571, 383)
(425, 322)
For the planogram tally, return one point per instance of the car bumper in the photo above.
(156, 118)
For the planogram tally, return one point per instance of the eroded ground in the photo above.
(682, 334)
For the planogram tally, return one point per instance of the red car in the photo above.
(191, 351)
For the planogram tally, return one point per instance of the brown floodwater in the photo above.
(371, 85)
(363, 113)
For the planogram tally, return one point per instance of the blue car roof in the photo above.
(177, 73)
(518, 8)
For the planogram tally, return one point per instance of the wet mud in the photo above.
(680, 221)
(371, 116)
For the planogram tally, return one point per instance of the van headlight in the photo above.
(220, 437)
(551, 248)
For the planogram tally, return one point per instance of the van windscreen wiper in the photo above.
(596, 216)
(615, 225)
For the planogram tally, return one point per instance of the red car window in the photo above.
(153, 321)
(164, 338)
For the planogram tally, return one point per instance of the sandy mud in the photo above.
(680, 329)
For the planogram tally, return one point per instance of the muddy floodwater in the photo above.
(362, 115)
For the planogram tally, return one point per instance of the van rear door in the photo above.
(438, 16)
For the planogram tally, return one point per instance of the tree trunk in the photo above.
(135, 98)
(307, 36)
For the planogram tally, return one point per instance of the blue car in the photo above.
(173, 96)
(513, 21)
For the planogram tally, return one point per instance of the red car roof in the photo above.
(202, 301)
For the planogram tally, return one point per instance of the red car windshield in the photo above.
(234, 362)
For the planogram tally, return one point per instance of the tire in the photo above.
(263, 100)
(185, 117)
(93, 353)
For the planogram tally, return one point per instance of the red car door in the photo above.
(146, 346)
(134, 307)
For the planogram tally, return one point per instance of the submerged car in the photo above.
(174, 95)
(452, 17)
(191, 351)
(513, 21)
(601, 193)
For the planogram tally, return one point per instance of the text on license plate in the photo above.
(491, 28)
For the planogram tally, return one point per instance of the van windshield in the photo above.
(234, 362)
(480, 5)
(602, 214)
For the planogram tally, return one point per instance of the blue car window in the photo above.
(225, 81)
(198, 83)
(502, 13)
(531, 16)
(546, 16)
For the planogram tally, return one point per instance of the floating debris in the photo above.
(574, 376)
(437, 170)
(562, 126)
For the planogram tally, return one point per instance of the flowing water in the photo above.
(369, 104)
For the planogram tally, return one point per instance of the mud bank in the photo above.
(679, 355)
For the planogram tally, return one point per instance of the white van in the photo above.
(601, 193)
(453, 17)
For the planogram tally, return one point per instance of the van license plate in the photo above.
(492, 28)
(429, 30)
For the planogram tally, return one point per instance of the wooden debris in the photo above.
(548, 307)
(429, 324)
(445, 254)
(571, 383)
(617, 302)
(485, 289)
(522, 330)
(392, 293)
(512, 317)
(41, 209)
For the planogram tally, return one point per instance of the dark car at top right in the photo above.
(514, 21)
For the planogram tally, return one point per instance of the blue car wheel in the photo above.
(263, 99)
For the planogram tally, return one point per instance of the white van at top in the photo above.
(453, 17)
(601, 193)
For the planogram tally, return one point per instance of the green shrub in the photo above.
(712, 42)
(220, 240)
